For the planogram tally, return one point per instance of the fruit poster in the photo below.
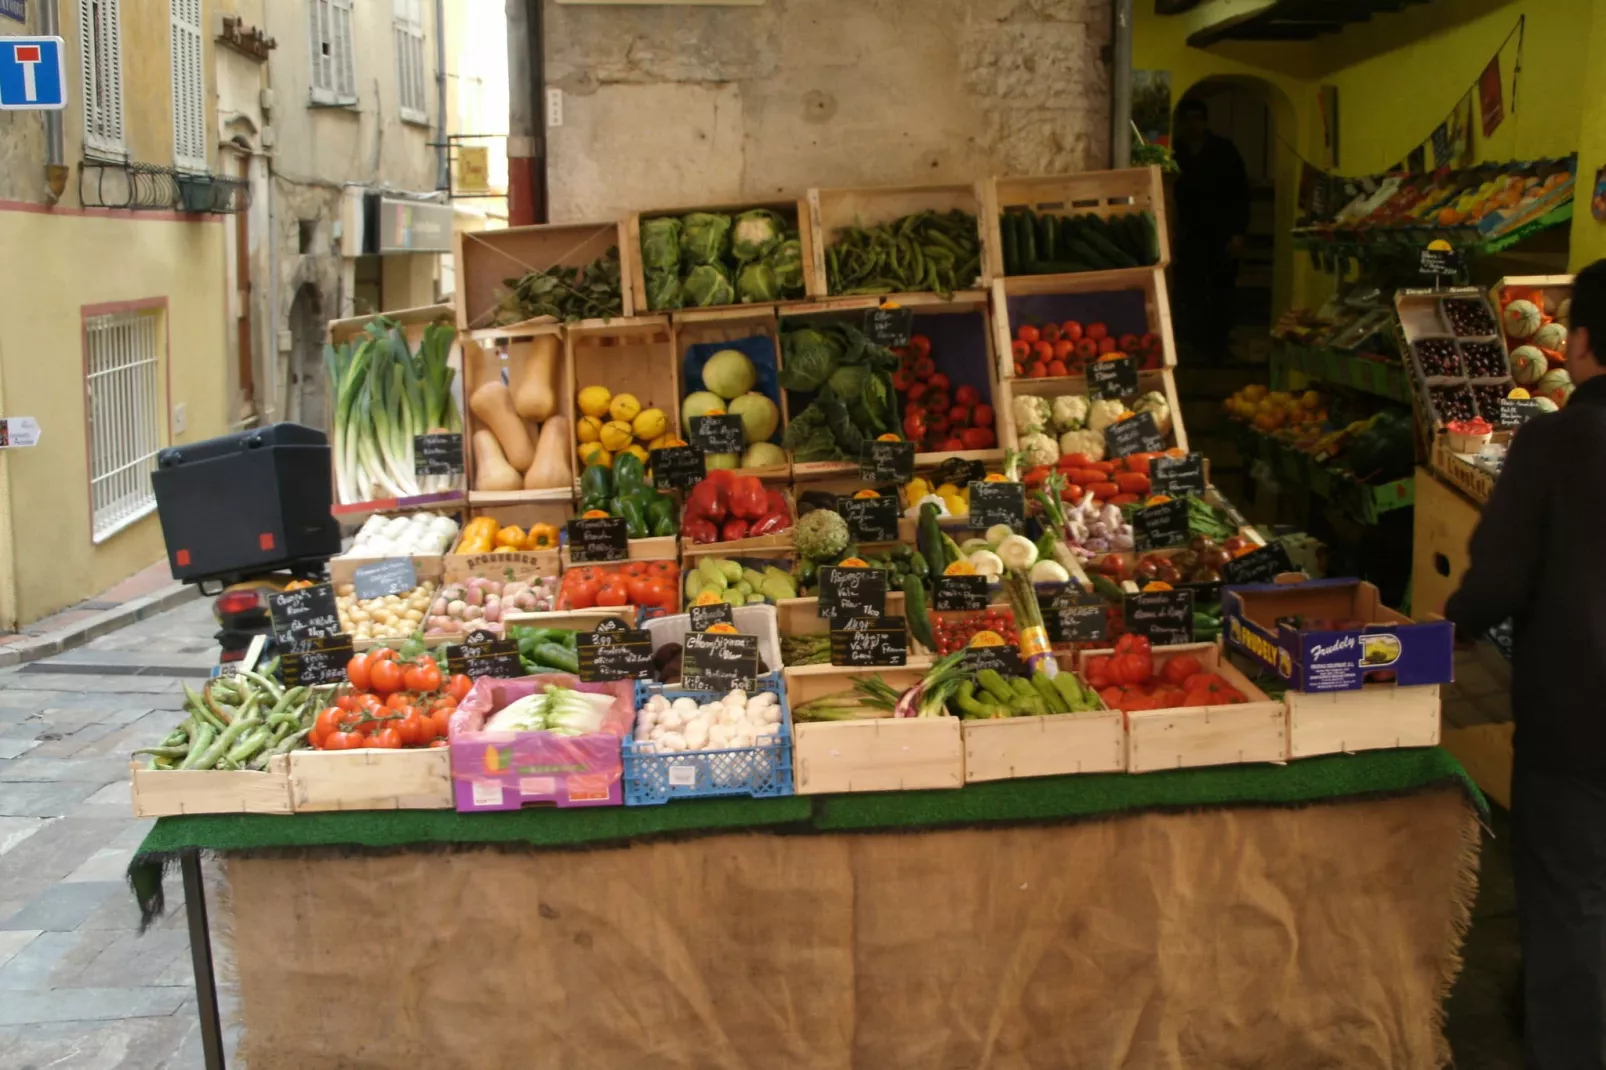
(1490, 96)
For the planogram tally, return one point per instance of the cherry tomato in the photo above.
(357, 670)
(424, 675)
(344, 741)
(459, 686)
(387, 738)
(386, 677)
(440, 722)
(415, 729)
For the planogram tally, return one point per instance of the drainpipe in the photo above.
(1121, 86)
(55, 148)
(443, 162)
(526, 121)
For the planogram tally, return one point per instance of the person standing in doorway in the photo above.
(1536, 559)
(1213, 213)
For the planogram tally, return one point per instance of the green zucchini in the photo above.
(914, 611)
(1011, 244)
(929, 539)
(1084, 252)
(1047, 233)
(1028, 235)
(1151, 237)
(1108, 250)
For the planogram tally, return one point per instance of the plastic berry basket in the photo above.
(652, 777)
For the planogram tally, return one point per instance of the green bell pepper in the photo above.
(634, 514)
(661, 518)
(596, 487)
(628, 473)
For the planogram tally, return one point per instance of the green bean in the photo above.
(206, 759)
(250, 743)
(198, 749)
(165, 751)
(270, 686)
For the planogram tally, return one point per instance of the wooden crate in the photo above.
(411, 320)
(1080, 298)
(1100, 193)
(371, 779)
(1163, 380)
(1443, 525)
(700, 326)
(581, 620)
(486, 259)
(1376, 717)
(789, 210)
(1554, 288)
(832, 209)
(1253, 731)
(487, 361)
(635, 356)
(1060, 743)
(800, 616)
(880, 754)
(1458, 470)
(661, 548)
(171, 792)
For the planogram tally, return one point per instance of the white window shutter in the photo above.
(409, 37)
(100, 52)
(345, 76)
(112, 35)
(189, 87)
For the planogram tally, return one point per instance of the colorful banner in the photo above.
(1490, 96)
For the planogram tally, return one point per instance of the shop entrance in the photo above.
(308, 393)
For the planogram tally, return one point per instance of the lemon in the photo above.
(615, 435)
(648, 423)
(624, 407)
(594, 453)
(637, 452)
(588, 429)
(594, 401)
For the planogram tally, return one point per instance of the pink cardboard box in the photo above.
(507, 770)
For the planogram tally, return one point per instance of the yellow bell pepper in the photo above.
(512, 537)
(542, 537)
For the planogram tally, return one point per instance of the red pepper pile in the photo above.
(726, 507)
(937, 417)
(1127, 680)
(1056, 349)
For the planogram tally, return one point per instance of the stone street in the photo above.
(79, 986)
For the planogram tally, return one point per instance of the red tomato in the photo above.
(581, 591)
(1097, 331)
(440, 722)
(1071, 331)
(1050, 332)
(458, 687)
(613, 594)
(1063, 349)
(1043, 351)
(400, 700)
(348, 701)
(1056, 368)
(642, 590)
(415, 729)
(665, 569)
(386, 738)
(1106, 345)
(357, 670)
(1028, 334)
(424, 675)
(344, 741)
(386, 677)
(635, 568)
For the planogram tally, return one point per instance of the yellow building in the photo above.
(112, 302)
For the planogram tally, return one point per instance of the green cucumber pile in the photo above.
(1054, 245)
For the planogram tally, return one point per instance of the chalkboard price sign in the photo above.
(300, 617)
(1160, 526)
(870, 519)
(1073, 615)
(677, 467)
(957, 470)
(1135, 434)
(887, 462)
(1178, 477)
(615, 652)
(889, 327)
(1514, 412)
(394, 575)
(1258, 566)
(319, 661)
(718, 434)
(870, 641)
(1439, 263)
(705, 617)
(852, 592)
(997, 503)
(483, 654)
(1003, 659)
(1166, 617)
(959, 593)
(439, 454)
(1116, 377)
(600, 538)
(716, 662)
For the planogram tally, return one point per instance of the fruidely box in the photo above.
(1335, 635)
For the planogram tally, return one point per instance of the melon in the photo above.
(1528, 364)
(1564, 311)
(1521, 318)
(1544, 405)
(1552, 336)
(1556, 386)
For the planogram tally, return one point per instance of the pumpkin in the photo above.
(491, 469)
(550, 468)
(534, 375)
(1551, 336)
(1528, 364)
(1522, 318)
(1555, 385)
(492, 403)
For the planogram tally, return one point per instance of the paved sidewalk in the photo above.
(150, 591)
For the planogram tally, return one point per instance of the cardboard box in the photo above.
(1348, 637)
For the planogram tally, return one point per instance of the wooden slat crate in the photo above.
(698, 326)
(171, 792)
(1459, 471)
(1442, 527)
(1089, 297)
(833, 209)
(635, 357)
(1057, 744)
(791, 210)
(371, 779)
(1100, 193)
(1376, 717)
(490, 361)
(883, 754)
(486, 259)
(1162, 380)
(662, 548)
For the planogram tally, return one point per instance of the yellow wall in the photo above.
(1589, 233)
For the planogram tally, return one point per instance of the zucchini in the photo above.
(1028, 240)
(1087, 255)
(914, 611)
(1047, 233)
(1061, 267)
(928, 537)
(1108, 250)
(1070, 229)
(1151, 237)
(1011, 244)
(554, 656)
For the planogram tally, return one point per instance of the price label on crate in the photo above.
(1178, 477)
(1514, 412)
(1166, 617)
(615, 652)
(887, 462)
(851, 592)
(959, 593)
(957, 470)
(1439, 263)
(889, 327)
(1160, 526)
(1002, 659)
(864, 641)
(677, 467)
(717, 662)
(705, 617)
(319, 661)
(870, 519)
(1135, 434)
(394, 575)
(1112, 377)
(1073, 615)
(304, 615)
(1258, 566)
(438, 454)
(597, 539)
(483, 654)
(718, 434)
(997, 503)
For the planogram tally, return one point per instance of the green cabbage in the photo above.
(705, 238)
(660, 244)
(786, 260)
(756, 233)
(663, 291)
(707, 284)
(756, 284)
(811, 356)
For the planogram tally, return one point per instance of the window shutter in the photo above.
(189, 87)
(409, 37)
(345, 76)
(112, 35)
(100, 53)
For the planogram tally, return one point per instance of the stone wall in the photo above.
(667, 106)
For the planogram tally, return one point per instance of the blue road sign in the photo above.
(31, 74)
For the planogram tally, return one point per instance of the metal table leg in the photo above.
(201, 957)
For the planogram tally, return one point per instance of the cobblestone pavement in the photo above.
(79, 987)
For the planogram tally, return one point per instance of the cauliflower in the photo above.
(1090, 443)
(1037, 448)
(821, 535)
(1031, 414)
(1104, 412)
(1155, 404)
(1070, 412)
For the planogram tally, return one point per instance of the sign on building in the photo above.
(31, 75)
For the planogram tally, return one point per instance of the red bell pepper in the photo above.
(735, 528)
(708, 500)
(978, 438)
(699, 530)
(775, 502)
(746, 497)
(770, 524)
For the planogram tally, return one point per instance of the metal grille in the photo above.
(124, 401)
(189, 86)
(409, 34)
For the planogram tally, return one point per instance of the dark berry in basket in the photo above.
(1438, 356)
(1452, 402)
(1483, 360)
(1488, 396)
(1468, 316)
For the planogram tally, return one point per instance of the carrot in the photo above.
(1132, 482)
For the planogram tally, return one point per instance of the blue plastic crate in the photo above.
(759, 772)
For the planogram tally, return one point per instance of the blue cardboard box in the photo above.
(1335, 635)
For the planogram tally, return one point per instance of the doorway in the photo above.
(309, 393)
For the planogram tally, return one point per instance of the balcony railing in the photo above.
(143, 187)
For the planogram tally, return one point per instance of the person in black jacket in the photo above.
(1538, 559)
(1212, 215)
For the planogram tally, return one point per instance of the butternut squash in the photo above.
(535, 379)
(493, 404)
(491, 470)
(551, 467)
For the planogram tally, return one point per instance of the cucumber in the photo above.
(1047, 235)
(1051, 698)
(1151, 237)
(1006, 228)
(914, 611)
(1085, 253)
(1065, 683)
(1108, 250)
(928, 537)
(1028, 242)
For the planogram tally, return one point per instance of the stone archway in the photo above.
(309, 393)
